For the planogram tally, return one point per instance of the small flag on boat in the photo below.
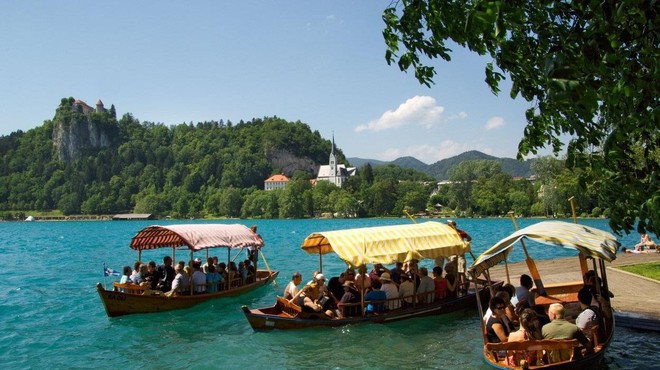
(107, 271)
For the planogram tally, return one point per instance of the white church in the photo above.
(337, 174)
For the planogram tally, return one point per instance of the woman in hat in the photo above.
(391, 291)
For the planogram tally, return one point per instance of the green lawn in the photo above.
(649, 270)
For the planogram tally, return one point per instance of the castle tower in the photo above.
(99, 106)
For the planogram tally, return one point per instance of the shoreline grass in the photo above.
(650, 270)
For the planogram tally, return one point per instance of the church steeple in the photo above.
(333, 159)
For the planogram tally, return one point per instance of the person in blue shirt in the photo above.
(375, 298)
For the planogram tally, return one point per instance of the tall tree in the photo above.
(590, 69)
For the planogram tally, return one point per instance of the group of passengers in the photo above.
(404, 285)
(193, 278)
(513, 315)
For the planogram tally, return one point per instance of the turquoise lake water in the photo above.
(51, 316)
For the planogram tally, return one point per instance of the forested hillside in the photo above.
(86, 161)
(440, 170)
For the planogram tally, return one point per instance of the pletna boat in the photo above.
(124, 299)
(594, 247)
(384, 245)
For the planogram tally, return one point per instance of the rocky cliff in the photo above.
(76, 132)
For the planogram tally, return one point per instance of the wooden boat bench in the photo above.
(289, 308)
(500, 351)
(128, 288)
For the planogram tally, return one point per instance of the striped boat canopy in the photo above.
(388, 244)
(197, 237)
(588, 240)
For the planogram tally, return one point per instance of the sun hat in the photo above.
(385, 276)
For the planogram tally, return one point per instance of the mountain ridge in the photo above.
(439, 170)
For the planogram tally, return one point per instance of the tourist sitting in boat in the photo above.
(125, 277)
(324, 296)
(506, 320)
(205, 266)
(213, 279)
(524, 291)
(559, 328)
(198, 278)
(412, 270)
(348, 302)
(336, 283)
(590, 315)
(222, 270)
(452, 280)
(440, 283)
(496, 328)
(395, 273)
(375, 273)
(179, 284)
(530, 329)
(252, 273)
(152, 276)
(375, 298)
(406, 291)
(138, 275)
(511, 311)
(307, 300)
(391, 291)
(166, 272)
(595, 284)
(426, 287)
(242, 272)
(291, 289)
(362, 280)
(232, 274)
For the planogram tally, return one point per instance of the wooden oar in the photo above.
(583, 260)
(531, 265)
(268, 268)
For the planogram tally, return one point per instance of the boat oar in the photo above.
(268, 268)
(583, 260)
(531, 265)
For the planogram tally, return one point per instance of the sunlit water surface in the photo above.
(52, 317)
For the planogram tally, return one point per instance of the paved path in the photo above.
(633, 294)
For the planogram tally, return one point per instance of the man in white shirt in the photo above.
(291, 289)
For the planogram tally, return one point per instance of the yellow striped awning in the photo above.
(388, 244)
(590, 241)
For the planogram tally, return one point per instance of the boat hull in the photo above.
(119, 303)
(274, 317)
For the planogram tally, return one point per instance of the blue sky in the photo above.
(318, 62)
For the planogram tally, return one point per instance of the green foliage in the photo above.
(589, 68)
(216, 169)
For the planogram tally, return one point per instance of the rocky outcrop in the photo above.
(75, 132)
(288, 163)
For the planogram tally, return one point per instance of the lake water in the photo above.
(52, 317)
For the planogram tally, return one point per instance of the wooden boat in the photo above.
(385, 245)
(126, 299)
(593, 245)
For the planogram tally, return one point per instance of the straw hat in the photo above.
(385, 276)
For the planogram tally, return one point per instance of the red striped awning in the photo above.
(197, 237)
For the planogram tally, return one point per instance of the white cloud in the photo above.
(420, 110)
(494, 123)
(460, 115)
